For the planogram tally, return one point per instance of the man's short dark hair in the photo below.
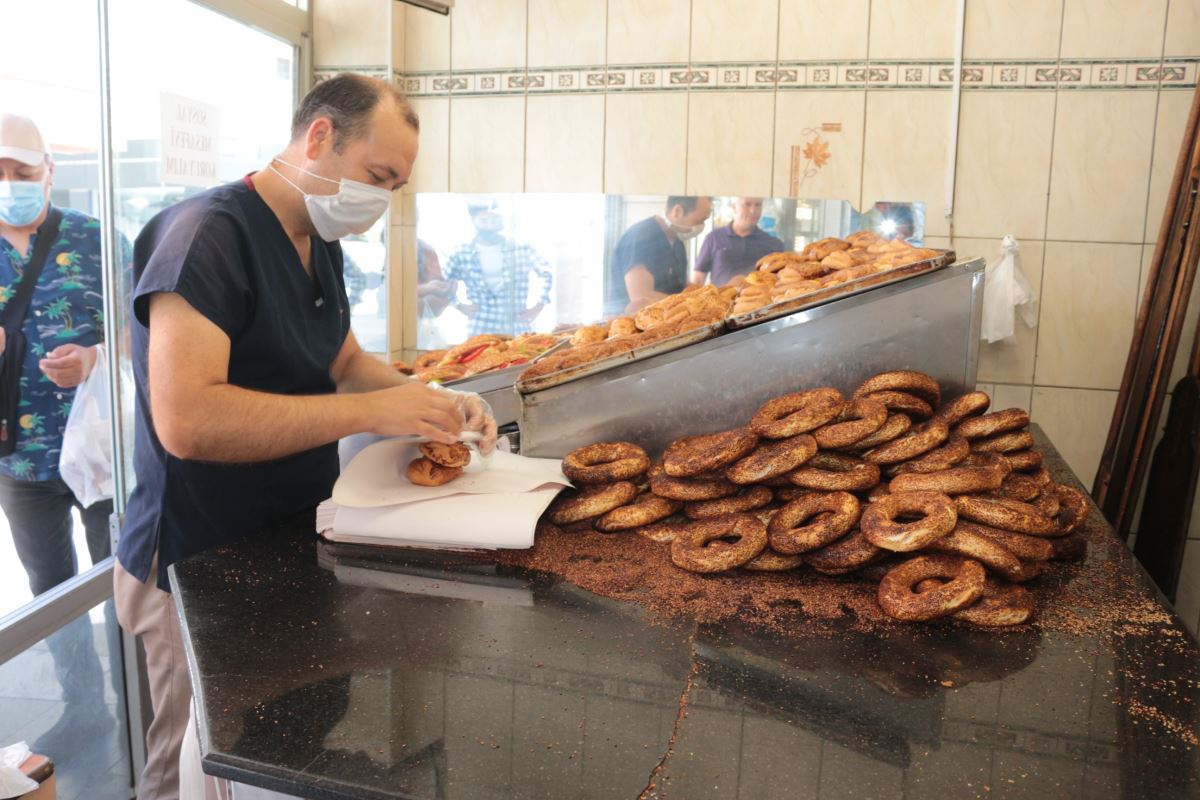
(348, 101)
(688, 203)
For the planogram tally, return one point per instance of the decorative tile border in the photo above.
(790, 75)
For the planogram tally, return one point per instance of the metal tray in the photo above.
(500, 378)
(636, 354)
(819, 296)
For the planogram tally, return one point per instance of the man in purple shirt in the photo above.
(734, 249)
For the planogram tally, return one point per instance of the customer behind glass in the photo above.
(434, 292)
(62, 327)
(650, 260)
(495, 270)
(734, 249)
(243, 284)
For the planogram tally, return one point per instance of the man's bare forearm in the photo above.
(229, 424)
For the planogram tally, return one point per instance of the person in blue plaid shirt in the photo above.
(495, 271)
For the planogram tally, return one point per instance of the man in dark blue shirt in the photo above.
(735, 248)
(650, 260)
(246, 370)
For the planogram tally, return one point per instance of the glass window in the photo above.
(58, 88)
(516, 263)
(65, 698)
(178, 128)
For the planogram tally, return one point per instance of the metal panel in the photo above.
(580, 371)
(51, 610)
(929, 322)
(821, 296)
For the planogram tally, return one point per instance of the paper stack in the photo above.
(493, 504)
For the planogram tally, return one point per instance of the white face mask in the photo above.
(684, 232)
(354, 208)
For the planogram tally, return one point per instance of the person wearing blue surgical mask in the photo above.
(61, 327)
(247, 373)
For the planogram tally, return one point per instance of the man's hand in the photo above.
(479, 418)
(415, 409)
(530, 314)
(470, 309)
(66, 366)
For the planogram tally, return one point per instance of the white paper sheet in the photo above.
(488, 522)
(377, 476)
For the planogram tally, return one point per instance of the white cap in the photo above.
(21, 140)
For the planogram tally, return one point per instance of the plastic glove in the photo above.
(477, 416)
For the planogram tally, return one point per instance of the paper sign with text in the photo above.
(190, 142)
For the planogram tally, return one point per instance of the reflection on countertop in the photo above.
(343, 672)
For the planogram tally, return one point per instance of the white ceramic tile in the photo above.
(564, 143)
(1101, 166)
(1006, 395)
(431, 172)
(827, 127)
(820, 30)
(487, 144)
(1089, 297)
(348, 33)
(729, 143)
(1113, 29)
(1076, 420)
(734, 30)
(1173, 110)
(488, 33)
(397, 15)
(1187, 594)
(426, 40)
(990, 388)
(1183, 29)
(566, 34)
(905, 158)
(912, 29)
(648, 32)
(1009, 361)
(1001, 29)
(645, 143)
(1003, 164)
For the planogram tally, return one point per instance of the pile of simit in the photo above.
(947, 506)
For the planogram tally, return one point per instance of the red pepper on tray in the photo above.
(474, 354)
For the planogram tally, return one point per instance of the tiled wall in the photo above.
(1071, 117)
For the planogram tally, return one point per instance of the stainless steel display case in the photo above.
(496, 387)
(928, 322)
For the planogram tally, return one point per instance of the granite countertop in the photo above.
(335, 671)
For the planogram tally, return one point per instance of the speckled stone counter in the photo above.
(343, 672)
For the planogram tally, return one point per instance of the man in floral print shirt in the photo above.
(62, 326)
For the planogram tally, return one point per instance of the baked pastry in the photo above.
(424, 472)
(455, 456)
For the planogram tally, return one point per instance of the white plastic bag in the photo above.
(13, 782)
(86, 459)
(429, 333)
(1006, 293)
